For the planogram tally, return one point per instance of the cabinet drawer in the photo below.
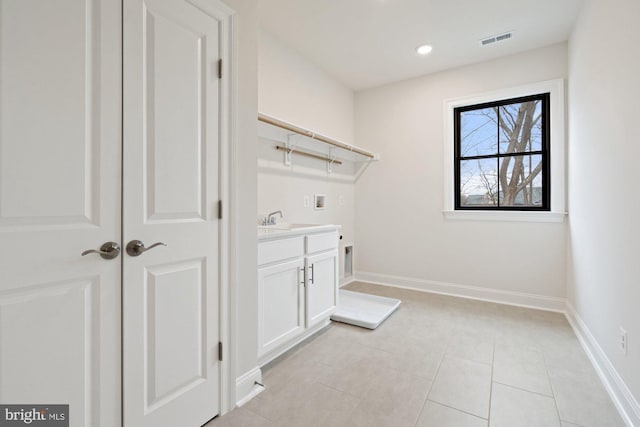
(280, 249)
(322, 242)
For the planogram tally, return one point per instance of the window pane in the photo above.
(479, 132)
(478, 182)
(521, 127)
(521, 181)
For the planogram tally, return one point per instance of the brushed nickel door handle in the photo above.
(136, 247)
(109, 250)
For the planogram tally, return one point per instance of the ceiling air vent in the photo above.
(496, 38)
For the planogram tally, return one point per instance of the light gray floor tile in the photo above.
(398, 391)
(521, 353)
(582, 399)
(312, 405)
(390, 398)
(354, 378)
(372, 414)
(349, 376)
(464, 385)
(333, 348)
(239, 417)
(322, 406)
(436, 415)
(521, 367)
(419, 362)
(471, 346)
(411, 357)
(565, 352)
(276, 405)
(294, 369)
(523, 375)
(512, 407)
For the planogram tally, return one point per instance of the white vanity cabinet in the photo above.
(297, 286)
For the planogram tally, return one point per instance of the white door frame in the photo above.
(228, 163)
(228, 189)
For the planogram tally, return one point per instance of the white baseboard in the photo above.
(622, 397)
(520, 299)
(277, 352)
(246, 387)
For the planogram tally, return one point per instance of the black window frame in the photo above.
(545, 152)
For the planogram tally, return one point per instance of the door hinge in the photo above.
(219, 209)
(219, 68)
(220, 351)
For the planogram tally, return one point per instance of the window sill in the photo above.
(517, 216)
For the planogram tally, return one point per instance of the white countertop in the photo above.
(268, 232)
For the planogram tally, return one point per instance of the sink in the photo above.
(286, 226)
(292, 226)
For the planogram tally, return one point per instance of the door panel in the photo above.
(50, 83)
(60, 154)
(176, 130)
(171, 146)
(76, 351)
(175, 319)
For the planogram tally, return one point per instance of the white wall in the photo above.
(604, 148)
(294, 89)
(400, 229)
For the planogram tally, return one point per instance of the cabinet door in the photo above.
(280, 304)
(322, 286)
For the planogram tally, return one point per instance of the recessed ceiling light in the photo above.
(424, 49)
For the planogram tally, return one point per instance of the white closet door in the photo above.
(171, 192)
(60, 152)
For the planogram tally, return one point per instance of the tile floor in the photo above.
(437, 361)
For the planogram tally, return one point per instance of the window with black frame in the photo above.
(502, 155)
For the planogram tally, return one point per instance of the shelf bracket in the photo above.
(330, 160)
(361, 170)
(289, 149)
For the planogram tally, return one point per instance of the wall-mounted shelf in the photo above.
(309, 143)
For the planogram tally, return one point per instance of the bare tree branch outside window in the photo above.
(501, 154)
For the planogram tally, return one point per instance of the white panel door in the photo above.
(171, 174)
(322, 286)
(60, 151)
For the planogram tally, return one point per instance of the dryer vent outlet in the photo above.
(348, 261)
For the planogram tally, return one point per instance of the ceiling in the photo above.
(367, 43)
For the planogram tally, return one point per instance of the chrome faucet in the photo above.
(271, 218)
